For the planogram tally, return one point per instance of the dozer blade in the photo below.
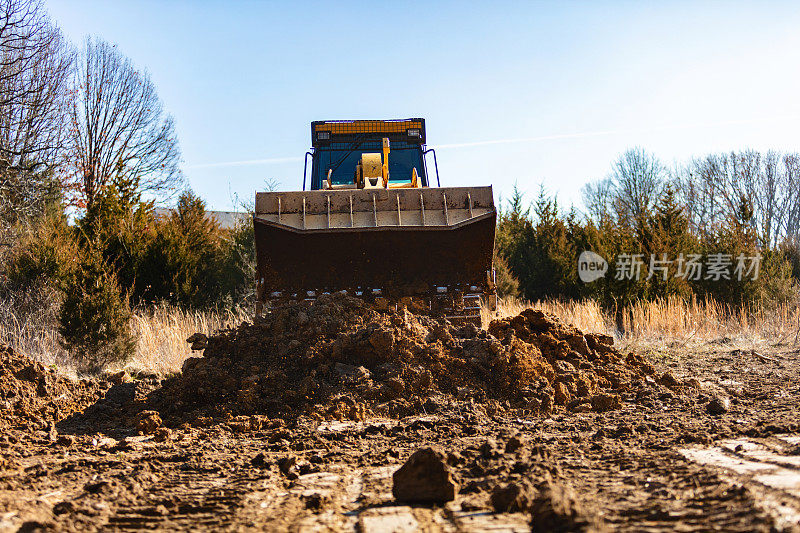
(431, 245)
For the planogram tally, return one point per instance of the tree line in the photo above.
(733, 214)
(86, 150)
(74, 119)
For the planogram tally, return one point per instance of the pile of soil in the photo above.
(339, 358)
(34, 397)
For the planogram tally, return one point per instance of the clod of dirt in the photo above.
(316, 501)
(63, 507)
(718, 405)
(513, 497)
(287, 466)
(65, 440)
(199, 341)
(98, 487)
(162, 434)
(513, 444)
(558, 509)
(669, 381)
(489, 449)
(118, 377)
(147, 422)
(259, 461)
(424, 478)
(33, 397)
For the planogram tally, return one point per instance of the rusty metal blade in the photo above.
(399, 260)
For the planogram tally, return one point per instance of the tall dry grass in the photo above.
(162, 334)
(671, 320)
(29, 324)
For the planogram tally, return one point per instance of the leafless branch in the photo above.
(119, 128)
(35, 67)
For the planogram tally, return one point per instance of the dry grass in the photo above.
(162, 334)
(672, 320)
(29, 324)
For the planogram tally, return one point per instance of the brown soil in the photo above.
(532, 425)
(341, 359)
(33, 397)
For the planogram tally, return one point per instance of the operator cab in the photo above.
(350, 154)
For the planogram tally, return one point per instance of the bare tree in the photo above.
(119, 127)
(598, 197)
(630, 190)
(35, 66)
(717, 186)
(637, 178)
(791, 208)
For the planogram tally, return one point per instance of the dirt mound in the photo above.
(337, 358)
(33, 397)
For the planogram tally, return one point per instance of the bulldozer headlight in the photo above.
(413, 133)
(323, 135)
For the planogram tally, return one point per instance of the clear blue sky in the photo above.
(532, 93)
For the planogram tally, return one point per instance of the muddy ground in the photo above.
(718, 451)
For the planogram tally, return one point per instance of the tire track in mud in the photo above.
(768, 468)
(181, 500)
(191, 491)
(664, 492)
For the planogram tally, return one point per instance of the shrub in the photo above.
(123, 229)
(182, 265)
(507, 284)
(95, 314)
(238, 264)
(45, 251)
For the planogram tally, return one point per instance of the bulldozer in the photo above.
(372, 225)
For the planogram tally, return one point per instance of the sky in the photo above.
(527, 93)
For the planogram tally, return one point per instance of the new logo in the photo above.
(591, 266)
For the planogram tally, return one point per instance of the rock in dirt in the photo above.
(718, 405)
(424, 478)
(147, 422)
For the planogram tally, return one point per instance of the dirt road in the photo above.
(302, 420)
(662, 462)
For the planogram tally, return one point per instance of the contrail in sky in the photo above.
(530, 139)
(578, 135)
(602, 133)
(248, 162)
